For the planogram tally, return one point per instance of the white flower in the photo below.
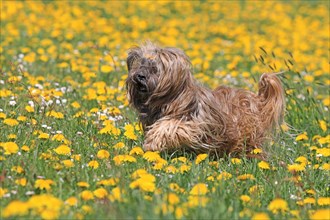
(31, 103)
(12, 103)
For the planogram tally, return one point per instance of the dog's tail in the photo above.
(271, 94)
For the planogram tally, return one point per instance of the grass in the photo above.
(71, 147)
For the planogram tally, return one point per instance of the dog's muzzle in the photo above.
(141, 81)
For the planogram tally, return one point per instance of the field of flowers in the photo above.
(71, 147)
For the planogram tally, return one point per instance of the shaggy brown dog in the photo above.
(177, 112)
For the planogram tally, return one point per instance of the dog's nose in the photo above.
(140, 77)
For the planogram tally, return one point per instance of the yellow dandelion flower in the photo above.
(93, 164)
(136, 151)
(195, 201)
(302, 160)
(43, 136)
(138, 173)
(17, 169)
(110, 129)
(76, 157)
(172, 199)
(71, 201)
(236, 161)
(295, 213)
(29, 108)
(43, 184)
(278, 205)
(3, 192)
(30, 57)
(325, 101)
(176, 188)
(10, 122)
(296, 167)
(260, 216)
(246, 177)
(75, 104)
(78, 114)
(119, 159)
(210, 178)
(2, 115)
(103, 154)
(309, 78)
(263, 165)
(256, 151)
(320, 214)
(100, 193)
(9, 147)
(108, 182)
(106, 68)
(214, 164)
(245, 198)
(147, 177)
(200, 158)
(87, 209)
(325, 166)
(311, 191)
(15, 208)
(63, 150)
(255, 189)
(129, 132)
(54, 114)
(199, 189)
(116, 195)
(323, 125)
(224, 176)
(302, 137)
(180, 212)
(160, 164)
(151, 156)
(324, 140)
(87, 195)
(171, 169)
(119, 145)
(325, 152)
(184, 168)
(309, 200)
(180, 159)
(21, 181)
(68, 163)
(83, 184)
(21, 118)
(61, 138)
(322, 201)
(145, 183)
(12, 136)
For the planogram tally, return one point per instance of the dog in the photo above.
(177, 112)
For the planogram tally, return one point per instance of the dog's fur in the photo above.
(177, 112)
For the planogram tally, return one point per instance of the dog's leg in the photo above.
(170, 133)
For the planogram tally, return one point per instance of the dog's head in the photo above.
(156, 75)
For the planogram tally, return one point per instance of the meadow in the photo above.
(71, 146)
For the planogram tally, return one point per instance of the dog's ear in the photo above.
(176, 62)
(130, 59)
(181, 58)
(133, 54)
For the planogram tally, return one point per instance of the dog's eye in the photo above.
(153, 69)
